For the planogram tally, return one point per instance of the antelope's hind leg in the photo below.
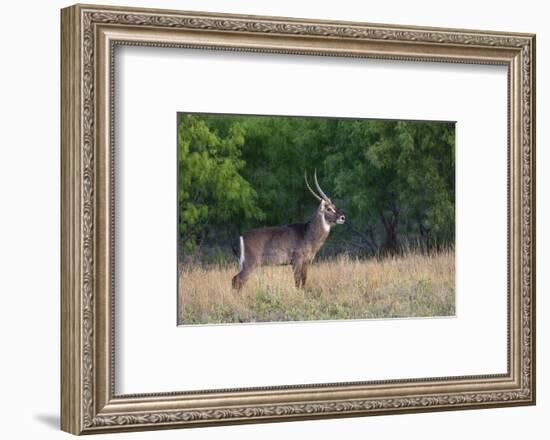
(237, 282)
(240, 279)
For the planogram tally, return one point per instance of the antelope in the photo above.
(295, 244)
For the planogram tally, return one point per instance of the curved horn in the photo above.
(309, 187)
(319, 188)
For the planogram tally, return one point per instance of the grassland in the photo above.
(412, 285)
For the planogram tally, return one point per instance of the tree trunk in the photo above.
(424, 237)
(367, 240)
(391, 243)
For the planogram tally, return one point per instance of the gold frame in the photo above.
(88, 37)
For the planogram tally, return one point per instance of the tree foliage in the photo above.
(394, 179)
(211, 189)
(399, 175)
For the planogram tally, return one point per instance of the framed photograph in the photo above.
(269, 219)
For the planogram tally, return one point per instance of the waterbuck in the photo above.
(294, 244)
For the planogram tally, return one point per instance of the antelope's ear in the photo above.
(323, 205)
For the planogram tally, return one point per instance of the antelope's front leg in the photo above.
(300, 274)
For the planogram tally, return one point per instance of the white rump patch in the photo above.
(241, 253)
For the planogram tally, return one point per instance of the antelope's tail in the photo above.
(238, 250)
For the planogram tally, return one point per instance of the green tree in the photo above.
(426, 172)
(211, 189)
(393, 179)
(277, 150)
(399, 175)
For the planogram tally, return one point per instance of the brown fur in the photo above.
(295, 244)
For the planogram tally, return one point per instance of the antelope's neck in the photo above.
(318, 230)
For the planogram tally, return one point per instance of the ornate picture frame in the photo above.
(89, 35)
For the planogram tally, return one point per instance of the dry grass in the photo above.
(344, 288)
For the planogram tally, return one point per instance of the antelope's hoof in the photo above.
(236, 283)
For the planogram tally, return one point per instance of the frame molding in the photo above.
(88, 37)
